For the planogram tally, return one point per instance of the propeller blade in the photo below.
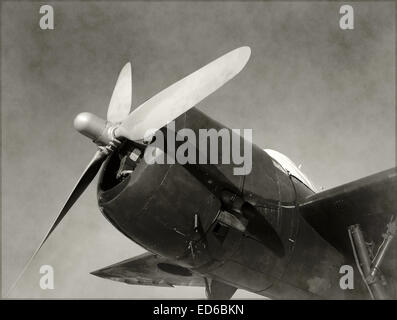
(173, 101)
(86, 178)
(120, 102)
(260, 229)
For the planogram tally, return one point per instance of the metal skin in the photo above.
(171, 210)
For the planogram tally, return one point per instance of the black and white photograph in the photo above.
(198, 150)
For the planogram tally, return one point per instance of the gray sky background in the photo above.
(321, 95)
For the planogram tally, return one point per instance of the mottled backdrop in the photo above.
(321, 95)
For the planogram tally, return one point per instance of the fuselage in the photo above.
(174, 211)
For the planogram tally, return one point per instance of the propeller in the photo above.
(150, 116)
(91, 125)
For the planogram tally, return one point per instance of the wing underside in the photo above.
(370, 202)
(150, 269)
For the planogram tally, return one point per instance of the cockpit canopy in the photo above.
(288, 165)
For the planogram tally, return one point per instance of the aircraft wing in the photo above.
(369, 202)
(150, 269)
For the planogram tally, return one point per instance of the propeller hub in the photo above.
(98, 130)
